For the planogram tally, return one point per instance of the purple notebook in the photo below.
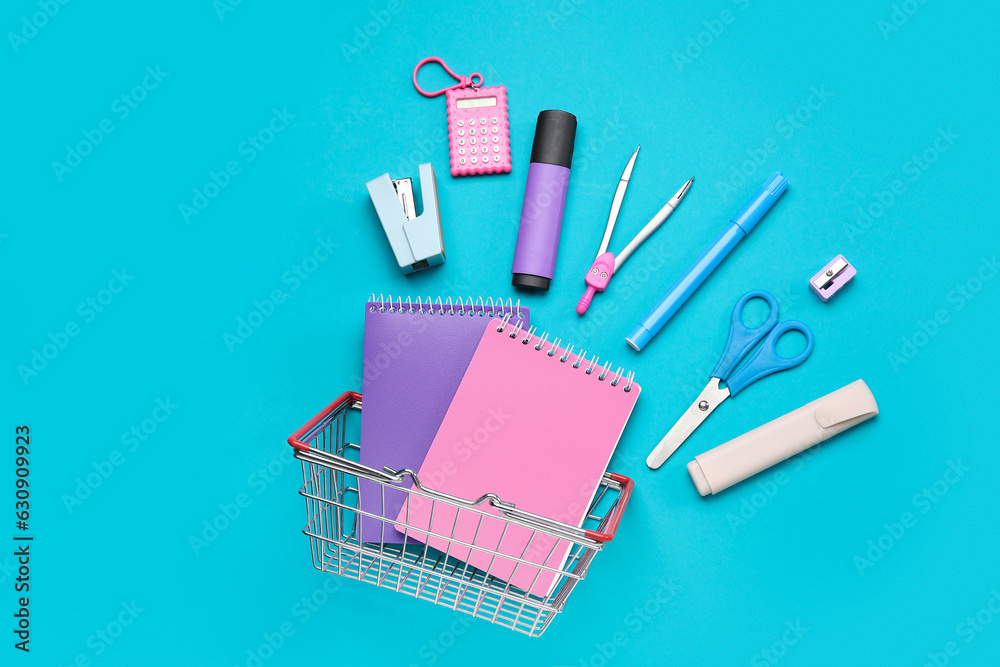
(416, 354)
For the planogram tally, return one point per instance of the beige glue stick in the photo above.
(786, 436)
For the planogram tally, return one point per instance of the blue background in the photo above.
(706, 94)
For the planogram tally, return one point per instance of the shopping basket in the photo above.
(328, 448)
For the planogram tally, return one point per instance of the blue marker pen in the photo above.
(737, 229)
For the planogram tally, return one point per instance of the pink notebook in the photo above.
(534, 427)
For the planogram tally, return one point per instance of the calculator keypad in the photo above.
(479, 137)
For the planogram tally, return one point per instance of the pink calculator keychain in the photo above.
(478, 128)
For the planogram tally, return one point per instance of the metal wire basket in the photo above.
(331, 471)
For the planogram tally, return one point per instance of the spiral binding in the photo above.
(551, 347)
(489, 307)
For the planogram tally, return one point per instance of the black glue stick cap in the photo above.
(555, 132)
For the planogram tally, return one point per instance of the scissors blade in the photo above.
(709, 399)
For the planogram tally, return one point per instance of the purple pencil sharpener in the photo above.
(834, 275)
(544, 200)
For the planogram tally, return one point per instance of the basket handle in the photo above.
(627, 486)
(295, 439)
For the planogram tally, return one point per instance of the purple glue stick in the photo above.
(544, 200)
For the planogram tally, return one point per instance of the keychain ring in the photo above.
(463, 81)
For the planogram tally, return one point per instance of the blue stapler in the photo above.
(416, 240)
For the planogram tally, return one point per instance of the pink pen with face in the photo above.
(604, 267)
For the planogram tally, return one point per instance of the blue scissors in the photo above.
(762, 363)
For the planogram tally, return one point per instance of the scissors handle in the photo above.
(766, 359)
(742, 337)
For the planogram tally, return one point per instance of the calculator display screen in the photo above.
(476, 102)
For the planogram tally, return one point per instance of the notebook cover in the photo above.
(415, 355)
(539, 434)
